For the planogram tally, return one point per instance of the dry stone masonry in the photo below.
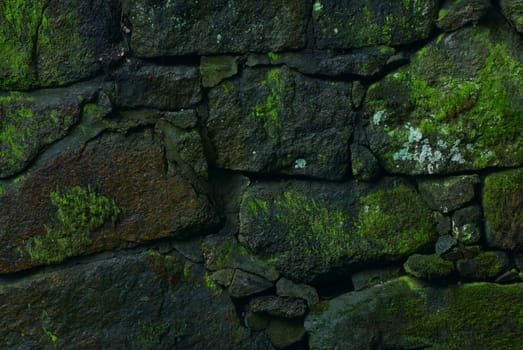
(227, 174)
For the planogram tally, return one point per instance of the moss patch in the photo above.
(80, 212)
(503, 208)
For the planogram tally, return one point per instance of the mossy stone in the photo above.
(428, 266)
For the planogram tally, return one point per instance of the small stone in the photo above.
(457, 13)
(287, 288)
(284, 333)
(244, 284)
(368, 278)
(445, 243)
(428, 266)
(518, 259)
(449, 193)
(223, 277)
(278, 306)
(217, 68)
(365, 166)
(466, 224)
(486, 265)
(358, 94)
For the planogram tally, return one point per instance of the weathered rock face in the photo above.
(170, 28)
(322, 174)
(435, 116)
(342, 25)
(309, 228)
(59, 202)
(142, 301)
(278, 121)
(405, 314)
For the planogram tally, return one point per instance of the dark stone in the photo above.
(513, 11)
(50, 43)
(364, 62)
(443, 224)
(508, 277)
(160, 87)
(31, 121)
(462, 252)
(184, 119)
(428, 266)
(223, 277)
(365, 166)
(287, 288)
(405, 314)
(126, 171)
(426, 117)
(173, 28)
(486, 265)
(283, 332)
(457, 13)
(278, 121)
(308, 228)
(448, 194)
(466, 224)
(256, 322)
(142, 301)
(217, 68)
(358, 94)
(221, 252)
(244, 284)
(368, 278)
(503, 209)
(342, 25)
(445, 243)
(277, 306)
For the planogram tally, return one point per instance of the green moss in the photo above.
(150, 334)
(53, 337)
(428, 266)
(313, 228)
(273, 56)
(395, 222)
(503, 205)
(19, 22)
(268, 111)
(446, 119)
(256, 204)
(80, 212)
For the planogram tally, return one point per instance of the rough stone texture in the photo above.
(403, 314)
(171, 28)
(428, 266)
(216, 69)
(457, 13)
(287, 288)
(128, 170)
(161, 87)
(365, 166)
(486, 265)
(503, 209)
(308, 228)
(142, 301)
(284, 333)
(341, 25)
(426, 118)
(278, 121)
(445, 243)
(466, 224)
(280, 307)
(244, 284)
(49, 43)
(513, 10)
(31, 121)
(365, 62)
(448, 194)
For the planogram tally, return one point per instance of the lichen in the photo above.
(80, 212)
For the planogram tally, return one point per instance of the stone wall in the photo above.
(237, 174)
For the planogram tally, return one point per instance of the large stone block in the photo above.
(437, 116)
(405, 314)
(113, 191)
(342, 24)
(279, 121)
(307, 229)
(171, 28)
